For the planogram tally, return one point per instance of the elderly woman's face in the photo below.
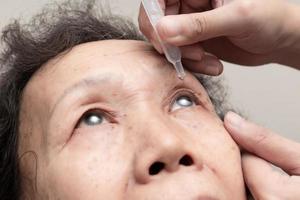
(110, 120)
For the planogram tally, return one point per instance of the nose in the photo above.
(164, 150)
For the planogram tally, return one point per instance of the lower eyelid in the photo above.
(94, 129)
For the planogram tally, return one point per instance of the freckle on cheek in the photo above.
(196, 126)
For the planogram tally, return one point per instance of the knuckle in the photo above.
(199, 25)
(261, 136)
(162, 30)
(246, 9)
(246, 6)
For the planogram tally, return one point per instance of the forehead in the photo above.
(105, 56)
(115, 60)
(112, 59)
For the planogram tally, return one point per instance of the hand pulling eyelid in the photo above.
(173, 54)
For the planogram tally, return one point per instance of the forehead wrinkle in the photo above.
(96, 80)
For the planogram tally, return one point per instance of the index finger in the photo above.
(266, 144)
(169, 7)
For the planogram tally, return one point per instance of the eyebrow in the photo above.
(83, 84)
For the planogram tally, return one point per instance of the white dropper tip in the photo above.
(179, 69)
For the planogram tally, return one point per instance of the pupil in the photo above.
(184, 101)
(93, 119)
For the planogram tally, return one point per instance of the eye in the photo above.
(183, 101)
(92, 118)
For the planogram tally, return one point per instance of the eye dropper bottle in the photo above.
(173, 54)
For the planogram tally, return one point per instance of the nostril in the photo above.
(186, 161)
(156, 167)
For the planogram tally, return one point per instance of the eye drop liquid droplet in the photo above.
(173, 54)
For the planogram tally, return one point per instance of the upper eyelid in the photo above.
(188, 93)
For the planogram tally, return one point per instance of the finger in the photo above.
(192, 52)
(263, 180)
(187, 29)
(276, 149)
(172, 7)
(219, 3)
(209, 65)
(225, 50)
(192, 6)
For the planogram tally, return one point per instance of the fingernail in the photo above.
(234, 119)
(213, 66)
(214, 70)
(168, 28)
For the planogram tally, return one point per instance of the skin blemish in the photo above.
(196, 126)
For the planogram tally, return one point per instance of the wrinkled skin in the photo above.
(101, 118)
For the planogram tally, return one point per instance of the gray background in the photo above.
(269, 95)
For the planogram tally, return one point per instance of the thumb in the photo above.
(264, 143)
(187, 29)
(263, 180)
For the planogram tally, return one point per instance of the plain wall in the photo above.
(268, 95)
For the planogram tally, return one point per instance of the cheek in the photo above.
(92, 158)
(218, 150)
(198, 120)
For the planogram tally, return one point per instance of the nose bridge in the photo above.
(165, 134)
(159, 131)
